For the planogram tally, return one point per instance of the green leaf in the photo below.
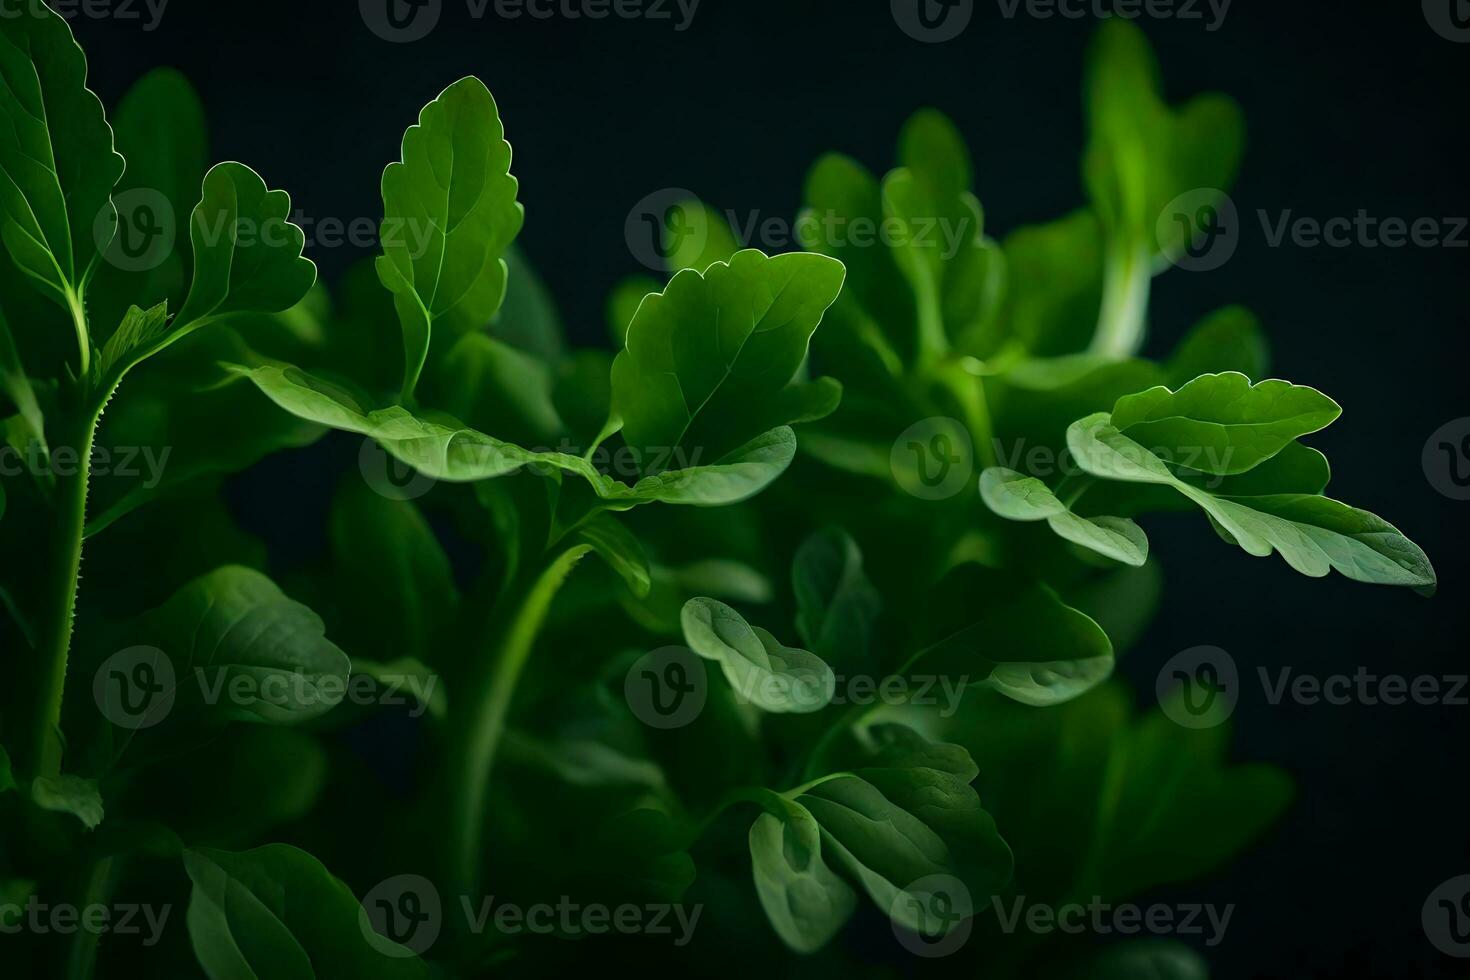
(276, 912)
(247, 253)
(623, 305)
(708, 362)
(445, 450)
(1313, 534)
(904, 819)
(487, 382)
(1229, 339)
(1054, 285)
(449, 214)
(999, 630)
(1221, 423)
(69, 794)
(836, 606)
(160, 130)
(55, 185)
(15, 384)
(528, 319)
(805, 901)
(140, 330)
(234, 626)
(622, 551)
(773, 677)
(1018, 497)
(395, 591)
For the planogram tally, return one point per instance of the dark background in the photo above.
(1349, 107)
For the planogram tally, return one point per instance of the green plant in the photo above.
(533, 774)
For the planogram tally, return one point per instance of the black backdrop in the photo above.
(1350, 107)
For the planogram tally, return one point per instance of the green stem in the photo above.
(82, 957)
(60, 611)
(79, 323)
(487, 700)
(1121, 319)
(968, 389)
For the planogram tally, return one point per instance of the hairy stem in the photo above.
(59, 611)
(486, 704)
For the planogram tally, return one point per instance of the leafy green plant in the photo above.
(192, 731)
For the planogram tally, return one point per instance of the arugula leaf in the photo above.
(395, 590)
(449, 214)
(445, 450)
(836, 605)
(709, 362)
(998, 630)
(762, 671)
(1313, 534)
(235, 626)
(902, 817)
(247, 253)
(1221, 423)
(276, 912)
(55, 184)
(69, 794)
(1017, 497)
